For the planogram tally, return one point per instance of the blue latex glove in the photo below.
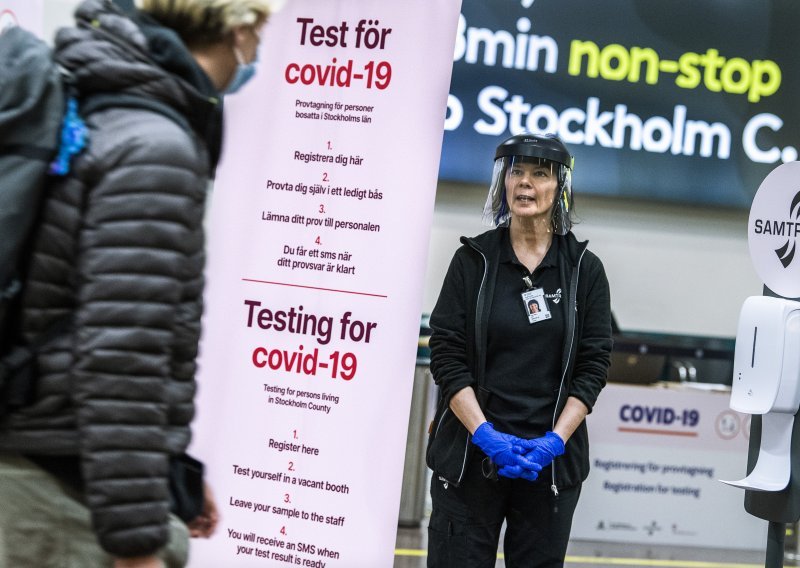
(518, 472)
(503, 449)
(545, 449)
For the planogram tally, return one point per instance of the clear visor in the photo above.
(495, 210)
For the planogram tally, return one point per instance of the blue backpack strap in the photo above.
(74, 135)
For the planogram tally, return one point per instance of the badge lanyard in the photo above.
(535, 303)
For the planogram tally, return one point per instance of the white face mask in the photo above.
(244, 72)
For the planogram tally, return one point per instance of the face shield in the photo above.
(545, 150)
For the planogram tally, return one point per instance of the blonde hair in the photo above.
(205, 22)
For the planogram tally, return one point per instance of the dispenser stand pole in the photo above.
(776, 534)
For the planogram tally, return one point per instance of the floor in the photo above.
(411, 542)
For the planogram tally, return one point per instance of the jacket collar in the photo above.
(490, 243)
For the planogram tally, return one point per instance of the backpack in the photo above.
(39, 132)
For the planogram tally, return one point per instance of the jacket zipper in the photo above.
(573, 316)
(463, 464)
(478, 314)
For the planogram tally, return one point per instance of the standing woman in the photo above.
(509, 440)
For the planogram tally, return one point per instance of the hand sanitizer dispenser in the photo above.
(766, 364)
(766, 380)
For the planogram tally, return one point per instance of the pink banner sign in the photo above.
(319, 230)
(26, 13)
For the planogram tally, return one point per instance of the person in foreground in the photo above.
(88, 468)
(508, 442)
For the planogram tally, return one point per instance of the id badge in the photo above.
(536, 305)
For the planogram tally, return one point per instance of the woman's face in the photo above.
(531, 189)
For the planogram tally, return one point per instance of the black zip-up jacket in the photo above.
(458, 347)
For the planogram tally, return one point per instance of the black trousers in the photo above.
(466, 522)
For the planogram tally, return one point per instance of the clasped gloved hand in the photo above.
(506, 451)
(519, 472)
(545, 449)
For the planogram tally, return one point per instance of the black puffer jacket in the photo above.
(120, 251)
